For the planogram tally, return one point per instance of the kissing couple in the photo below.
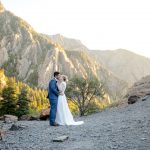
(60, 113)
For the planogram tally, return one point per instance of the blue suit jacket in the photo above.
(53, 91)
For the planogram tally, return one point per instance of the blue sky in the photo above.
(99, 24)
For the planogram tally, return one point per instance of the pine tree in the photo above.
(23, 103)
(2, 80)
(9, 98)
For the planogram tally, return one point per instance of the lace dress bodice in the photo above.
(62, 87)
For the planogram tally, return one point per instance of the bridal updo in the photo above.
(65, 78)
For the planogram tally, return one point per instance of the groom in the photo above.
(53, 94)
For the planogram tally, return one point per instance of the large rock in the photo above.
(15, 127)
(1, 118)
(45, 114)
(132, 99)
(139, 91)
(10, 119)
(25, 117)
(28, 118)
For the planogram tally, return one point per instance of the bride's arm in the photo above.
(60, 88)
(63, 87)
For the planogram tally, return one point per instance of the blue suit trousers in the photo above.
(53, 110)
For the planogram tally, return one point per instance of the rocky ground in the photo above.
(123, 128)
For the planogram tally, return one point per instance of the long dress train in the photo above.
(63, 115)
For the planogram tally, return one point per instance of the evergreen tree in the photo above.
(23, 103)
(9, 98)
(32, 99)
(2, 80)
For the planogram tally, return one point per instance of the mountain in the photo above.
(126, 65)
(68, 43)
(33, 57)
(116, 61)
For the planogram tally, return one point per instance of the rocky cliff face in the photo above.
(33, 57)
(127, 66)
(22, 50)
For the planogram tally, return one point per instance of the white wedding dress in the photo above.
(63, 115)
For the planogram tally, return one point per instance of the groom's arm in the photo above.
(53, 87)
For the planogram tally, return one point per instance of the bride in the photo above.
(63, 115)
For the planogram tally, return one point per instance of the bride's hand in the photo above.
(61, 93)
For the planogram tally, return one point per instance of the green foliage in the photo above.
(23, 103)
(2, 81)
(8, 104)
(92, 108)
(34, 113)
(10, 66)
(18, 98)
(83, 91)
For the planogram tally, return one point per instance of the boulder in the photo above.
(25, 117)
(15, 127)
(1, 118)
(10, 118)
(28, 118)
(139, 91)
(45, 114)
(133, 99)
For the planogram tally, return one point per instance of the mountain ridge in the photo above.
(68, 43)
(127, 65)
(116, 60)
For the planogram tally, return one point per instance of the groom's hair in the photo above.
(56, 73)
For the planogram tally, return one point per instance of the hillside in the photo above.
(33, 57)
(128, 66)
(123, 128)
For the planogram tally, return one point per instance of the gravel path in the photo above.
(123, 128)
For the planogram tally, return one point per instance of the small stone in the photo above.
(113, 147)
(13, 142)
(60, 138)
(143, 139)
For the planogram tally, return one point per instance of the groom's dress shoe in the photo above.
(55, 125)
